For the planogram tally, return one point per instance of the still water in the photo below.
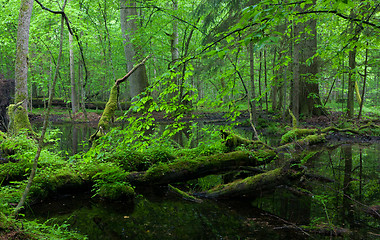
(341, 198)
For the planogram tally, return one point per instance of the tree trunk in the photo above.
(74, 101)
(252, 78)
(255, 185)
(364, 82)
(275, 83)
(266, 79)
(306, 68)
(174, 50)
(351, 82)
(44, 128)
(185, 169)
(22, 49)
(139, 79)
(260, 92)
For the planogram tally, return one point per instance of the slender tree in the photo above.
(22, 46)
(74, 101)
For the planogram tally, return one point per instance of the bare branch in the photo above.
(120, 80)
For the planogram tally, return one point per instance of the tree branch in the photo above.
(120, 80)
(342, 16)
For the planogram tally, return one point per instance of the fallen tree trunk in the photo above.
(233, 140)
(255, 185)
(187, 169)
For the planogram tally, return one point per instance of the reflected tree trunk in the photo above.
(347, 212)
(75, 139)
(74, 104)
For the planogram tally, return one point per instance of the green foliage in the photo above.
(50, 179)
(208, 182)
(201, 150)
(47, 231)
(10, 194)
(110, 183)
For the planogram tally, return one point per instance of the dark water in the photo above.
(160, 215)
(350, 185)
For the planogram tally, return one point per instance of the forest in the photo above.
(198, 119)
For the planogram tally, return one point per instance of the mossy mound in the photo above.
(295, 134)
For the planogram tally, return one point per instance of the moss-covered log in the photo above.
(350, 130)
(187, 169)
(233, 140)
(255, 185)
(296, 133)
(184, 195)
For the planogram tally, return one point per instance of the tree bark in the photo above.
(74, 101)
(252, 80)
(306, 68)
(22, 50)
(364, 82)
(139, 79)
(351, 82)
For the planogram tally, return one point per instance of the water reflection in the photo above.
(352, 169)
(153, 217)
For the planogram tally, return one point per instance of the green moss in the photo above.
(184, 195)
(108, 114)
(314, 139)
(110, 109)
(49, 181)
(12, 171)
(114, 191)
(18, 119)
(295, 134)
(264, 155)
(110, 183)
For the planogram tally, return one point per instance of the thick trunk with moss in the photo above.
(187, 169)
(18, 119)
(255, 185)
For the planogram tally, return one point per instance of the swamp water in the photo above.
(350, 185)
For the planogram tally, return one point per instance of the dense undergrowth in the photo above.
(103, 169)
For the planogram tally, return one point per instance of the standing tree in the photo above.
(22, 46)
(306, 100)
(74, 101)
(138, 80)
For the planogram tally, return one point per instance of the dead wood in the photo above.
(255, 185)
(187, 169)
